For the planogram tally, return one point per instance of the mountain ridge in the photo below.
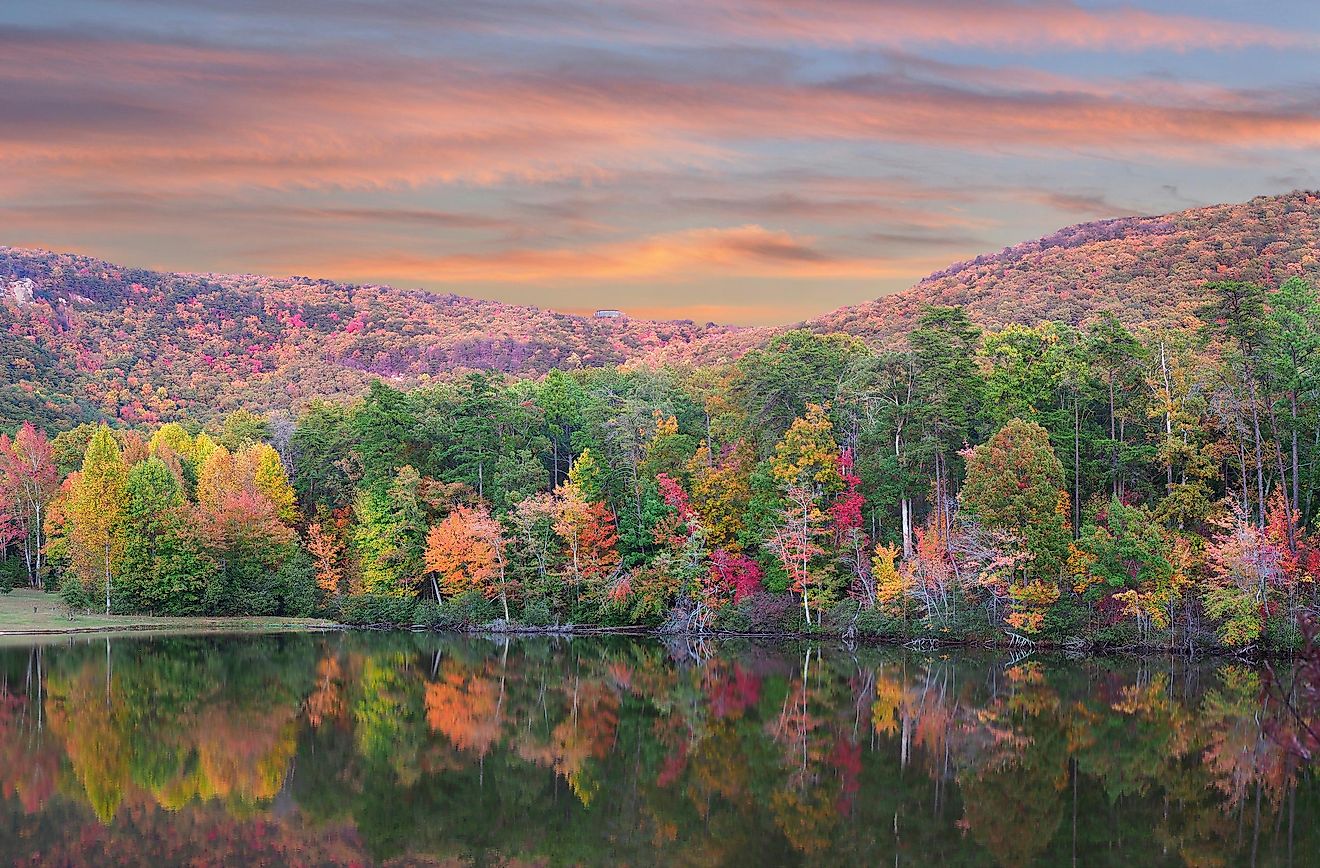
(84, 338)
(1147, 270)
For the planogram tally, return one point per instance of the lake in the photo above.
(425, 749)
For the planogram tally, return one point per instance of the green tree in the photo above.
(164, 569)
(384, 431)
(324, 460)
(243, 428)
(390, 536)
(794, 369)
(1293, 355)
(949, 387)
(1123, 547)
(1014, 483)
(1116, 357)
(1236, 322)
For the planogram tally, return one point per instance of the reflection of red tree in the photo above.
(326, 702)
(29, 763)
(1242, 760)
(847, 759)
(730, 688)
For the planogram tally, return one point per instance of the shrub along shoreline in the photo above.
(473, 614)
(780, 622)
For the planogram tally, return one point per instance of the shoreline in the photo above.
(240, 626)
(25, 612)
(1079, 647)
(36, 615)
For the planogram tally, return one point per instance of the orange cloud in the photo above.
(745, 251)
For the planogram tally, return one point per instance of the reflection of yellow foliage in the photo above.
(888, 698)
(243, 754)
(717, 768)
(382, 714)
(807, 819)
(94, 737)
(1032, 695)
(584, 785)
(1026, 673)
(1149, 700)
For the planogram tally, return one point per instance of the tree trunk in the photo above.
(1168, 416)
(905, 503)
(905, 508)
(36, 577)
(1077, 469)
(1292, 412)
(1260, 454)
(1113, 439)
(1242, 475)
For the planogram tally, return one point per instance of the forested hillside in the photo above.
(1146, 270)
(82, 339)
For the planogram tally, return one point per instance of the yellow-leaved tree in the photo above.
(96, 511)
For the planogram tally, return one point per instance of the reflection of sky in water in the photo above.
(339, 749)
(737, 161)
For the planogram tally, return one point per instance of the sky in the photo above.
(738, 161)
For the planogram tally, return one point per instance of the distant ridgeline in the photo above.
(84, 340)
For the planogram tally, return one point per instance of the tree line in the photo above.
(1060, 482)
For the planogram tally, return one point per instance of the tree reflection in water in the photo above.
(351, 749)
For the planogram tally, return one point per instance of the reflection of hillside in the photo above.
(441, 750)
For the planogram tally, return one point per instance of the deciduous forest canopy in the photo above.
(1108, 435)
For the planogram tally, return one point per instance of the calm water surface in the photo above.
(403, 749)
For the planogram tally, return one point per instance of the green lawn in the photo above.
(26, 611)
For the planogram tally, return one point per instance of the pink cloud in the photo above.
(1030, 25)
(229, 118)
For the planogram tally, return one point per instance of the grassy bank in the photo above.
(28, 612)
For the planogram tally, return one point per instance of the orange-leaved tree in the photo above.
(467, 551)
(326, 549)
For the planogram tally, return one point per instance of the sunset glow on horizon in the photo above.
(744, 161)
